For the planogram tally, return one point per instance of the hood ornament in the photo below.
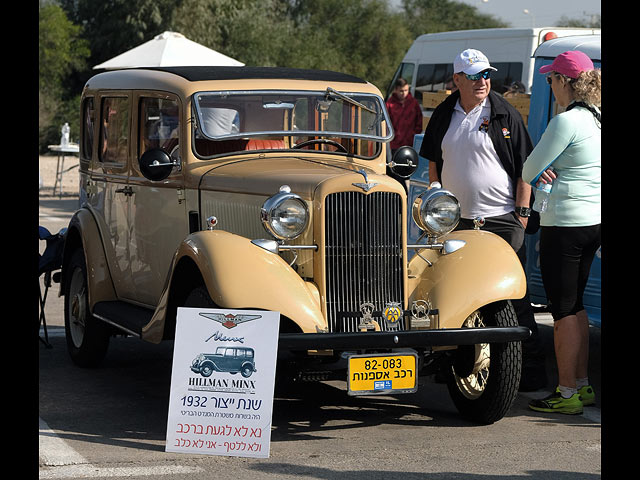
(364, 186)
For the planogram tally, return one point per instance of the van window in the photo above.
(114, 130)
(88, 120)
(159, 124)
(508, 72)
(439, 76)
(433, 77)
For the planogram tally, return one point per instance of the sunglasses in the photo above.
(486, 75)
(550, 78)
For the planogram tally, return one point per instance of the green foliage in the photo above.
(432, 16)
(592, 22)
(62, 51)
(256, 32)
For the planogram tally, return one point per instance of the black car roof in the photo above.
(198, 73)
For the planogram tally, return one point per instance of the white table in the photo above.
(62, 152)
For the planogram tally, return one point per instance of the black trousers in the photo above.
(566, 255)
(509, 228)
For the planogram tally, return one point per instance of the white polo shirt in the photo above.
(471, 168)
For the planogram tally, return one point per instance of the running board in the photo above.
(124, 316)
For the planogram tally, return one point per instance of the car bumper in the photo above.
(399, 339)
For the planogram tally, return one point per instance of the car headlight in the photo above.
(285, 215)
(436, 211)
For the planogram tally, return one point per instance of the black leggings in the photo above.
(566, 254)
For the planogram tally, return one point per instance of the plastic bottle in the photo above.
(543, 191)
(64, 140)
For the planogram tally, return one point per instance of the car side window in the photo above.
(88, 121)
(230, 352)
(159, 124)
(114, 130)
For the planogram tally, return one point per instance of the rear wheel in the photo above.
(483, 379)
(87, 337)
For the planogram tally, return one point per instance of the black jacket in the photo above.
(506, 130)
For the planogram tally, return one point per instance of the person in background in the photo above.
(476, 144)
(570, 226)
(405, 114)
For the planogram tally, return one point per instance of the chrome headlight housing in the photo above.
(436, 211)
(285, 215)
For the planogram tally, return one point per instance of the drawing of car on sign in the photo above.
(226, 359)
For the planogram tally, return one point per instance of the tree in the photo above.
(432, 16)
(256, 32)
(360, 37)
(593, 22)
(115, 26)
(61, 52)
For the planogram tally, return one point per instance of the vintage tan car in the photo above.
(267, 189)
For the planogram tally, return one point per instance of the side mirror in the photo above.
(404, 162)
(156, 164)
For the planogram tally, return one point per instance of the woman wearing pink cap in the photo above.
(570, 226)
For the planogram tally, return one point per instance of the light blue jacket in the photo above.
(571, 144)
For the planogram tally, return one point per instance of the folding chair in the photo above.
(49, 261)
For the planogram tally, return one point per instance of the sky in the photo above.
(542, 13)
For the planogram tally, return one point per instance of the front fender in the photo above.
(241, 275)
(484, 271)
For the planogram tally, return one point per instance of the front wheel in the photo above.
(87, 337)
(483, 379)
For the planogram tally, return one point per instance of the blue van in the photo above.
(541, 109)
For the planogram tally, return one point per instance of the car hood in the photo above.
(264, 176)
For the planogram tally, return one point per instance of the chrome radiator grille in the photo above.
(363, 239)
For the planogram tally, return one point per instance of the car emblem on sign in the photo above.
(367, 185)
(229, 320)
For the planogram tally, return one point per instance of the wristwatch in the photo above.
(523, 211)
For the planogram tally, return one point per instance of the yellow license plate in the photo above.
(382, 373)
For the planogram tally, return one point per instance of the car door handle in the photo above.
(126, 190)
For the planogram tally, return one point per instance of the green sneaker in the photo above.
(587, 395)
(555, 403)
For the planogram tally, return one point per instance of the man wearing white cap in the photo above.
(476, 144)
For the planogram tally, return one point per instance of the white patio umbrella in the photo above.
(169, 49)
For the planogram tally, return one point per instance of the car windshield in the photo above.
(257, 120)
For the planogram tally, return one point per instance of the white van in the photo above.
(428, 64)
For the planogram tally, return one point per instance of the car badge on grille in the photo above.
(229, 320)
(367, 317)
(392, 315)
(367, 185)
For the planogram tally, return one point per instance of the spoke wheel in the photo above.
(483, 379)
(87, 337)
(474, 384)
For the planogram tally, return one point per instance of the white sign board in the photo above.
(222, 381)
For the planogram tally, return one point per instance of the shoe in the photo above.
(587, 395)
(555, 403)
